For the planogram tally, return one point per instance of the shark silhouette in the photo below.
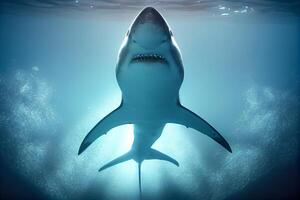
(149, 73)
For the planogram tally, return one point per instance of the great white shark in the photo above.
(149, 73)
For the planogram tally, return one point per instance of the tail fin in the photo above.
(123, 158)
(154, 154)
(140, 181)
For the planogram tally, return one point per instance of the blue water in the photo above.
(58, 80)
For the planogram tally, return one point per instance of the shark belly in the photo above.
(144, 89)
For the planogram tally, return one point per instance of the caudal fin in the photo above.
(151, 155)
(123, 158)
(154, 154)
(140, 180)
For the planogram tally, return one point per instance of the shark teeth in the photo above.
(148, 58)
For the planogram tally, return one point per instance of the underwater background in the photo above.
(57, 80)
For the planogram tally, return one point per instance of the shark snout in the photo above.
(149, 15)
(149, 30)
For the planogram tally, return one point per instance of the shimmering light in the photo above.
(225, 14)
(222, 7)
(262, 6)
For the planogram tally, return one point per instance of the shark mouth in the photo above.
(149, 58)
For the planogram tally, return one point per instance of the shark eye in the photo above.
(171, 33)
(127, 33)
(133, 40)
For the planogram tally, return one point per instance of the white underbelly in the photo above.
(149, 86)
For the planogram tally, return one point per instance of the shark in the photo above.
(149, 73)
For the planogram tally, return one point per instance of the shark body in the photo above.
(149, 73)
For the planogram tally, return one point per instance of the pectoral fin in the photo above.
(116, 118)
(188, 118)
